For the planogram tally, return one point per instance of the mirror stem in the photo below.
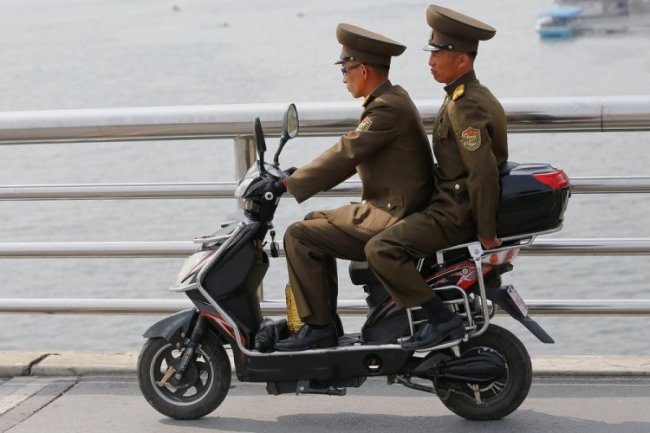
(276, 158)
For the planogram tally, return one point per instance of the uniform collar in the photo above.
(465, 79)
(377, 92)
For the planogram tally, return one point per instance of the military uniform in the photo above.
(390, 152)
(469, 144)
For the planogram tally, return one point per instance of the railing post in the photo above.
(245, 156)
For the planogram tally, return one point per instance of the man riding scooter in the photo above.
(469, 143)
(389, 151)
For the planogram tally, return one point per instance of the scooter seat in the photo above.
(361, 274)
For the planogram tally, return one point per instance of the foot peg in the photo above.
(305, 387)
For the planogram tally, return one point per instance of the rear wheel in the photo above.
(500, 397)
(199, 391)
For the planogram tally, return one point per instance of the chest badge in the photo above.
(364, 125)
(471, 138)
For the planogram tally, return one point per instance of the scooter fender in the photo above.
(172, 327)
(499, 297)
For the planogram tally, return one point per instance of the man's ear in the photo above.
(464, 59)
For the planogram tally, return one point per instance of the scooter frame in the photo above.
(476, 252)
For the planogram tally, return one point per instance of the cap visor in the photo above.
(431, 48)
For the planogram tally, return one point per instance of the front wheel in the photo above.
(198, 392)
(500, 397)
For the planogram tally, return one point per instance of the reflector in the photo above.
(555, 179)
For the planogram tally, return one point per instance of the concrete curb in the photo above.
(90, 363)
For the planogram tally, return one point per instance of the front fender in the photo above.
(171, 327)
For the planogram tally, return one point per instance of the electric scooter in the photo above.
(184, 371)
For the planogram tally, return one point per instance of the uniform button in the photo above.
(389, 205)
(457, 187)
(364, 201)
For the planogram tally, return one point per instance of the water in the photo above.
(98, 53)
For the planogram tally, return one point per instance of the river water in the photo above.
(59, 54)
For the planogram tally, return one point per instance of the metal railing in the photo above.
(590, 114)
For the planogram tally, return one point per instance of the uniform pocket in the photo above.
(363, 220)
(382, 215)
(376, 220)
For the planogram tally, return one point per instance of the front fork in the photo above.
(178, 368)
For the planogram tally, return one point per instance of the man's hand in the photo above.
(289, 171)
(489, 244)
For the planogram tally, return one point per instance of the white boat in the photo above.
(558, 22)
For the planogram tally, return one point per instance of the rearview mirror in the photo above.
(289, 130)
(290, 124)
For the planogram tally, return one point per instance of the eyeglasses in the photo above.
(349, 68)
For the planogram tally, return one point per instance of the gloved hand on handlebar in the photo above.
(277, 187)
(289, 171)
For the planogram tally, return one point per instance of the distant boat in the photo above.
(575, 17)
(558, 22)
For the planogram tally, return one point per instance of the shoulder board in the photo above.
(458, 92)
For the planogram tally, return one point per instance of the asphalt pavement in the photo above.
(97, 392)
(113, 403)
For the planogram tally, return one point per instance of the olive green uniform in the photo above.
(390, 152)
(469, 143)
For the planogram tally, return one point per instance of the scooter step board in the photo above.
(446, 345)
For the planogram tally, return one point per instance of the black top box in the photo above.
(533, 199)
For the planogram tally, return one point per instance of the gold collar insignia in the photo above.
(458, 92)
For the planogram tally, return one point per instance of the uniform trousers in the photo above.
(312, 247)
(392, 254)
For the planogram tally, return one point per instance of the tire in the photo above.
(201, 389)
(500, 397)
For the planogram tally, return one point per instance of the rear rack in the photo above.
(477, 253)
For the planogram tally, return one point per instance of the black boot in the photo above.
(338, 324)
(442, 324)
(309, 337)
(432, 334)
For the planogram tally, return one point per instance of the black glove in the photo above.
(276, 187)
(289, 171)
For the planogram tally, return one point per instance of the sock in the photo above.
(318, 326)
(437, 311)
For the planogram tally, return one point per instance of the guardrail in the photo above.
(591, 114)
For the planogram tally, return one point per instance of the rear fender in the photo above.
(172, 327)
(500, 297)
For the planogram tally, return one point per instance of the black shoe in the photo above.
(338, 324)
(431, 334)
(309, 337)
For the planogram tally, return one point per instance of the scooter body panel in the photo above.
(329, 366)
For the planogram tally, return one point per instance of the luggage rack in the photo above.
(476, 254)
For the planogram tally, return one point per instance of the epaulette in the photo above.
(458, 92)
(368, 100)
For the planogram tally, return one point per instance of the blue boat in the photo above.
(557, 22)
